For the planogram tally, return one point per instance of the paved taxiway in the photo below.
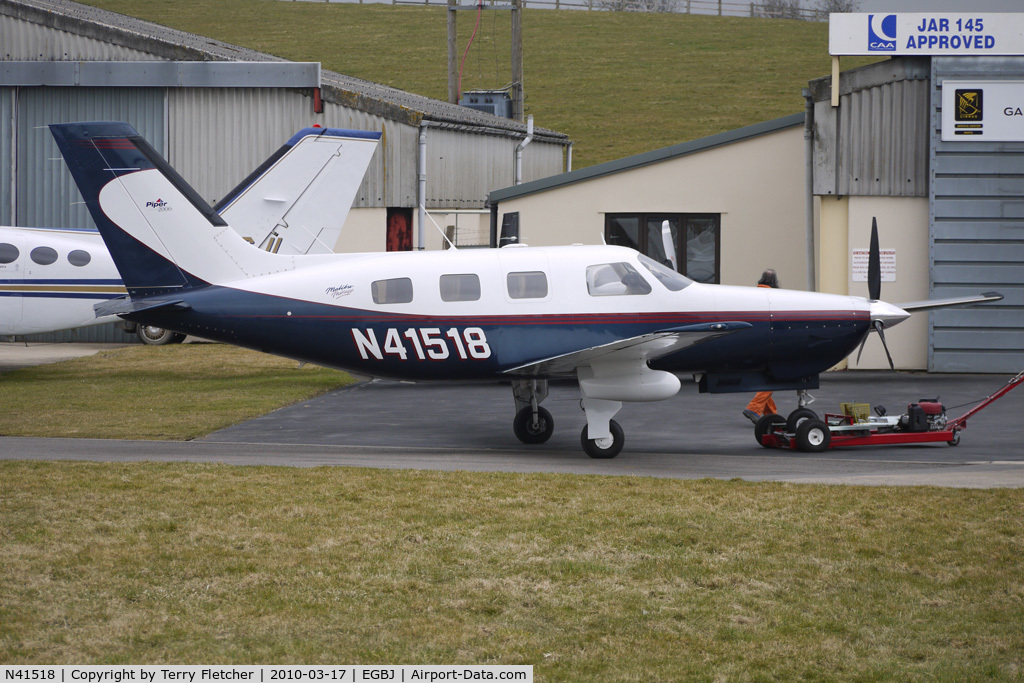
(468, 427)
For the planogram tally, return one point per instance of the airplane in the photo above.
(295, 202)
(621, 324)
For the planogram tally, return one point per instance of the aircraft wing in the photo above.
(642, 348)
(298, 200)
(931, 304)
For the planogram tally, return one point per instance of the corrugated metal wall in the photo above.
(463, 169)
(8, 156)
(876, 142)
(45, 190)
(976, 238)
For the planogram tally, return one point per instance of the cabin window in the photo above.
(395, 291)
(615, 279)
(689, 243)
(460, 287)
(79, 258)
(665, 275)
(8, 253)
(531, 284)
(44, 256)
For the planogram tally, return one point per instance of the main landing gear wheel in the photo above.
(765, 424)
(813, 436)
(604, 450)
(158, 336)
(798, 416)
(533, 432)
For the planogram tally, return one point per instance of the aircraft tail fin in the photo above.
(161, 234)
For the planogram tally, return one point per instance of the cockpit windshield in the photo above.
(671, 279)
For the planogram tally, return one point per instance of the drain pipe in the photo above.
(521, 146)
(568, 157)
(421, 186)
(809, 189)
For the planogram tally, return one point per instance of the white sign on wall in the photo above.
(932, 33)
(983, 110)
(859, 264)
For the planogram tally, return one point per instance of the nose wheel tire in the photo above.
(813, 436)
(533, 432)
(604, 448)
(798, 416)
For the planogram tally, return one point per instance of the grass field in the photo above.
(586, 578)
(145, 392)
(616, 83)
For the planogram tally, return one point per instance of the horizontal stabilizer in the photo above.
(931, 304)
(644, 347)
(125, 305)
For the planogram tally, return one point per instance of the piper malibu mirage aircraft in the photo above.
(295, 203)
(620, 323)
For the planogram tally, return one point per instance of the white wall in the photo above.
(757, 185)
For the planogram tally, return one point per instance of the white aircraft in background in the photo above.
(620, 323)
(295, 203)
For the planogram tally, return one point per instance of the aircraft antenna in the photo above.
(439, 229)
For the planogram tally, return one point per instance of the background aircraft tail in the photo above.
(297, 201)
(161, 234)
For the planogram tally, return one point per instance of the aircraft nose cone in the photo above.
(887, 313)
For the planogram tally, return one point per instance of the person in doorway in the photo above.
(762, 403)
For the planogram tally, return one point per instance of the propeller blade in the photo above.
(879, 326)
(874, 265)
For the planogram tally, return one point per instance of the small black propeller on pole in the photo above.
(874, 265)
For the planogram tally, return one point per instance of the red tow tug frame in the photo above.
(924, 422)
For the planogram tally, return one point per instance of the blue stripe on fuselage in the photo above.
(412, 346)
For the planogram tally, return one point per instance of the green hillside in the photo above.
(616, 83)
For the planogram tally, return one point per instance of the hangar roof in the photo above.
(171, 44)
(646, 158)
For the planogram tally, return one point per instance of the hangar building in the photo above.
(950, 213)
(216, 111)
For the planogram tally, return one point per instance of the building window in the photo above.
(527, 285)
(460, 287)
(395, 291)
(686, 242)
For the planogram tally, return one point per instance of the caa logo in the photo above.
(882, 32)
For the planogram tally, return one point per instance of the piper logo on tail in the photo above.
(159, 205)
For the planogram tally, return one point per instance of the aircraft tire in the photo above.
(813, 436)
(158, 336)
(765, 424)
(594, 451)
(524, 428)
(797, 417)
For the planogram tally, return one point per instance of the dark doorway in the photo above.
(399, 237)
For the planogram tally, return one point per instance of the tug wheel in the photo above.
(955, 440)
(813, 436)
(765, 425)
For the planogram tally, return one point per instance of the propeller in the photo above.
(874, 264)
(875, 291)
